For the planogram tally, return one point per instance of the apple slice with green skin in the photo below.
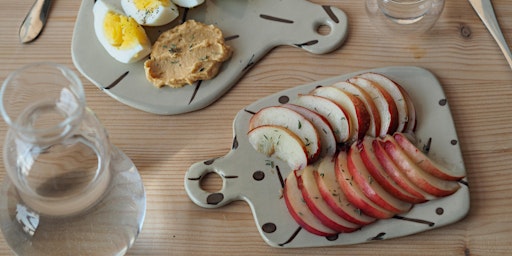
(324, 129)
(396, 92)
(293, 121)
(370, 187)
(374, 128)
(280, 142)
(397, 174)
(333, 195)
(356, 110)
(380, 175)
(333, 112)
(317, 205)
(425, 181)
(384, 102)
(423, 161)
(300, 211)
(354, 193)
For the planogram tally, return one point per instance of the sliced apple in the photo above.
(317, 205)
(397, 174)
(369, 158)
(279, 142)
(370, 187)
(334, 113)
(423, 161)
(333, 195)
(425, 181)
(356, 110)
(324, 129)
(300, 211)
(354, 193)
(293, 121)
(396, 92)
(374, 128)
(384, 102)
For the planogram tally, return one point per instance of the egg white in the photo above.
(188, 3)
(151, 12)
(129, 47)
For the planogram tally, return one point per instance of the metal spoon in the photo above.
(35, 21)
(486, 13)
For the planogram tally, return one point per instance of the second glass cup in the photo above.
(404, 17)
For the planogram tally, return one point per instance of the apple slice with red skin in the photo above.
(425, 181)
(354, 193)
(324, 129)
(397, 174)
(370, 187)
(317, 205)
(423, 161)
(374, 127)
(396, 92)
(293, 121)
(334, 113)
(369, 158)
(333, 195)
(280, 142)
(300, 211)
(384, 102)
(356, 110)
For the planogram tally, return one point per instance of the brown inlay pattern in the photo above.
(439, 211)
(269, 227)
(284, 99)
(291, 237)
(119, 79)
(198, 85)
(308, 43)
(273, 18)
(234, 145)
(250, 63)
(443, 102)
(215, 198)
(258, 175)
(379, 236)
(426, 222)
(330, 13)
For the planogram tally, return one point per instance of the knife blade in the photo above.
(485, 11)
(35, 21)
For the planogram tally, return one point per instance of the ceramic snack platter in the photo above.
(252, 177)
(251, 27)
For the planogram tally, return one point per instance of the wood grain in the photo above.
(458, 50)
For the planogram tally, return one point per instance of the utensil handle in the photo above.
(34, 21)
(486, 13)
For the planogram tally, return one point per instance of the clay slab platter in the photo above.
(250, 176)
(251, 27)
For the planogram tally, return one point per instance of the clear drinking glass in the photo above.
(68, 190)
(404, 17)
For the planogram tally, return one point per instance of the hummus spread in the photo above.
(185, 54)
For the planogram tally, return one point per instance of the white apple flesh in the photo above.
(293, 121)
(279, 142)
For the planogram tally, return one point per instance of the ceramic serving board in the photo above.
(251, 27)
(257, 179)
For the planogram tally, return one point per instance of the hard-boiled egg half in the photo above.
(151, 12)
(122, 37)
(188, 3)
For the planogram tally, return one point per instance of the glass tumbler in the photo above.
(68, 190)
(404, 17)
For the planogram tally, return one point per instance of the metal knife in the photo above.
(486, 13)
(34, 21)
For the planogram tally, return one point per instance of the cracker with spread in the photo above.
(185, 54)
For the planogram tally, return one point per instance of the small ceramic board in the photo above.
(251, 27)
(251, 176)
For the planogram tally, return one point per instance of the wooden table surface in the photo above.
(458, 50)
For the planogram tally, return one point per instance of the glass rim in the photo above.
(75, 86)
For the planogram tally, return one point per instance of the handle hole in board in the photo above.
(323, 29)
(211, 182)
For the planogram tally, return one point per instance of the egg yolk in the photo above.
(150, 4)
(123, 32)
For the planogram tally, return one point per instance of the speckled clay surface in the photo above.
(250, 176)
(251, 27)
